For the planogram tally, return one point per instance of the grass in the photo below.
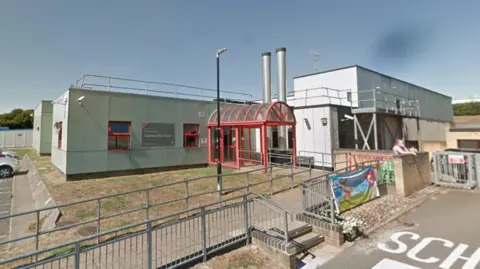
(68, 191)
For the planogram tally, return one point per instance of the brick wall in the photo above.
(412, 173)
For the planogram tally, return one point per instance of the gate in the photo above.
(456, 169)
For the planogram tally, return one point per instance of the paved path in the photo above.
(5, 206)
(441, 233)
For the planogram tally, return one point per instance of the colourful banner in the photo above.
(354, 188)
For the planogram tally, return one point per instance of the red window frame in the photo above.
(59, 134)
(187, 133)
(116, 135)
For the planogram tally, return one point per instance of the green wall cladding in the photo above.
(87, 150)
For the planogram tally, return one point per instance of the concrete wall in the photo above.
(42, 128)
(16, 138)
(412, 173)
(343, 79)
(430, 131)
(60, 114)
(87, 150)
(313, 136)
(433, 105)
(454, 136)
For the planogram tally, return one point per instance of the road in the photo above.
(5, 205)
(441, 233)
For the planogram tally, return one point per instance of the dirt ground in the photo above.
(249, 257)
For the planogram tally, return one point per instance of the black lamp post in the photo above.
(219, 163)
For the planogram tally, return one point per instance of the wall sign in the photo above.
(158, 134)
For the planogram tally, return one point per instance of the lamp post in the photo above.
(219, 164)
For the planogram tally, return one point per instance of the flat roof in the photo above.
(367, 69)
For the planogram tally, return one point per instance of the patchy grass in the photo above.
(69, 191)
(244, 258)
(24, 151)
(32, 227)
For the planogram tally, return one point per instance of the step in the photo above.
(305, 242)
(292, 234)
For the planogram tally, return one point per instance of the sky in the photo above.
(45, 46)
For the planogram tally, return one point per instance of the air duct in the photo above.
(267, 87)
(282, 94)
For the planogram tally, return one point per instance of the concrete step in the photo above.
(305, 242)
(293, 233)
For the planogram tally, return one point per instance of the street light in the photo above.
(219, 164)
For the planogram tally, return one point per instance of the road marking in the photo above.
(3, 212)
(391, 264)
(5, 188)
(4, 205)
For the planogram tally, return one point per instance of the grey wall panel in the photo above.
(433, 106)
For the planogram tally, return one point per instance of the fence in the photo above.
(190, 194)
(16, 138)
(159, 243)
(116, 84)
(322, 160)
(456, 169)
(317, 194)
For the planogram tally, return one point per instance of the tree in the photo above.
(17, 119)
(466, 109)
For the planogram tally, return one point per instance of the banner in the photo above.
(354, 188)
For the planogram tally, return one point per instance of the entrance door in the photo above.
(229, 146)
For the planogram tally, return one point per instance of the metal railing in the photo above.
(321, 159)
(188, 191)
(117, 84)
(162, 243)
(456, 169)
(320, 95)
(318, 199)
(391, 103)
(317, 204)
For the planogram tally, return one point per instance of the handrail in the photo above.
(273, 203)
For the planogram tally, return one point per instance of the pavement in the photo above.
(440, 233)
(5, 206)
(22, 201)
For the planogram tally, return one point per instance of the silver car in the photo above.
(8, 165)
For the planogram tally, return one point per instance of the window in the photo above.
(468, 144)
(191, 136)
(59, 134)
(119, 133)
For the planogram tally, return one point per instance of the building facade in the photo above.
(42, 128)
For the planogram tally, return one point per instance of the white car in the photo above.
(8, 165)
(11, 154)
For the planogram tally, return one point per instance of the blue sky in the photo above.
(46, 45)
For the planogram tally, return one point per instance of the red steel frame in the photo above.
(274, 116)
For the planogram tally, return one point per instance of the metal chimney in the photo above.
(282, 94)
(267, 77)
(267, 87)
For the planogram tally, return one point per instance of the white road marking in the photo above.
(3, 212)
(391, 264)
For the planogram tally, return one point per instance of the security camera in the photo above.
(348, 117)
(81, 98)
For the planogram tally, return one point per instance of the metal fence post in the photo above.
(476, 159)
(291, 173)
(270, 177)
(147, 204)
(204, 234)
(186, 194)
(149, 245)
(309, 168)
(285, 218)
(77, 255)
(37, 230)
(247, 182)
(245, 209)
(98, 219)
(332, 211)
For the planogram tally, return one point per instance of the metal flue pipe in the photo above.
(282, 94)
(267, 87)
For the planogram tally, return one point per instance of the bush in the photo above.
(17, 119)
(466, 109)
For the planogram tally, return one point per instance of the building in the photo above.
(355, 107)
(464, 133)
(97, 128)
(42, 128)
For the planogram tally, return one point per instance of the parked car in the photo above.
(8, 165)
(11, 154)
